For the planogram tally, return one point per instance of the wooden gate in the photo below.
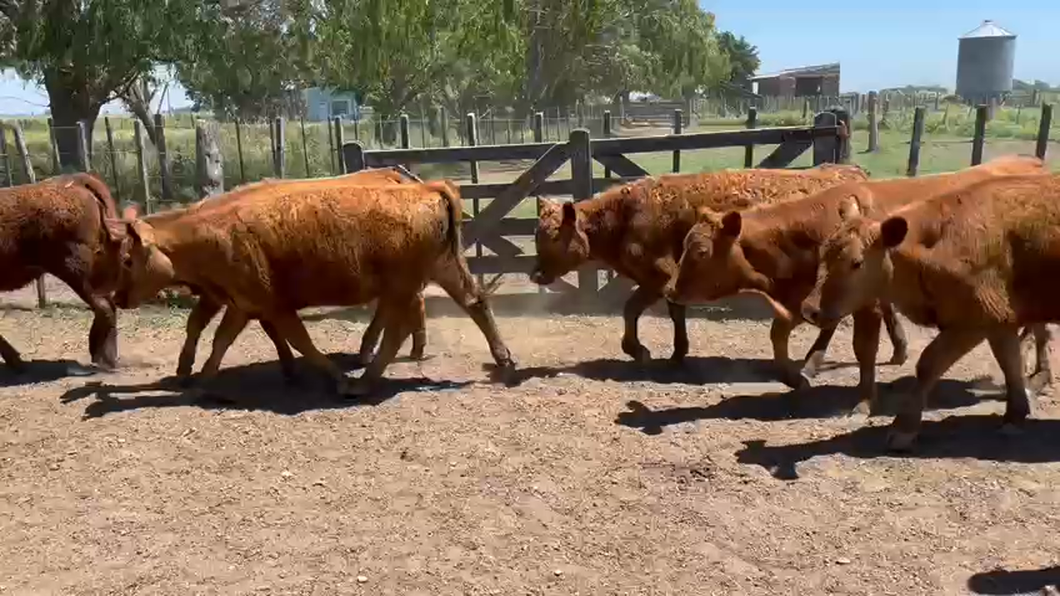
(827, 138)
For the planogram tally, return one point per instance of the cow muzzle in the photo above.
(538, 277)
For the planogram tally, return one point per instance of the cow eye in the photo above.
(856, 265)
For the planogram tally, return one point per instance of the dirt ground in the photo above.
(592, 476)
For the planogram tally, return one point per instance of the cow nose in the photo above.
(811, 313)
(539, 278)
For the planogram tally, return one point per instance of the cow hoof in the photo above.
(798, 381)
(1038, 381)
(636, 351)
(505, 373)
(899, 358)
(900, 441)
(354, 388)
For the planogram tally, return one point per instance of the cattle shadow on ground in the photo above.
(821, 401)
(964, 437)
(1003, 582)
(44, 371)
(693, 371)
(529, 304)
(253, 387)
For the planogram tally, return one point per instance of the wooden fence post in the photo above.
(539, 127)
(280, 151)
(749, 152)
(353, 158)
(31, 178)
(980, 133)
(1043, 130)
(607, 135)
(305, 146)
(239, 153)
(472, 140)
(423, 128)
(141, 164)
(874, 126)
(9, 178)
(113, 159)
(443, 122)
(678, 127)
(826, 149)
(914, 142)
(83, 158)
(336, 122)
(163, 158)
(209, 162)
(331, 147)
(56, 163)
(842, 118)
(403, 130)
(581, 167)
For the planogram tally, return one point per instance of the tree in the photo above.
(86, 53)
(743, 57)
(251, 61)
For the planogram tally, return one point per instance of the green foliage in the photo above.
(743, 57)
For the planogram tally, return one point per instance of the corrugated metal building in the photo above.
(804, 81)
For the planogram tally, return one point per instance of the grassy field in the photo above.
(947, 147)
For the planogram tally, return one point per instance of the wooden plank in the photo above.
(141, 166)
(678, 129)
(549, 187)
(390, 157)
(279, 153)
(113, 155)
(340, 142)
(513, 226)
(710, 140)
(914, 142)
(622, 165)
(518, 190)
(163, 158)
(752, 123)
(786, 153)
(84, 156)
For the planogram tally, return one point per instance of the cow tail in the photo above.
(454, 209)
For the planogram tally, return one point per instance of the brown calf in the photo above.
(207, 307)
(977, 263)
(637, 229)
(60, 226)
(773, 250)
(278, 250)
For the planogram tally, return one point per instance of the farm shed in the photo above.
(324, 104)
(799, 82)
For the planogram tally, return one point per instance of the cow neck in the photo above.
(180, 239)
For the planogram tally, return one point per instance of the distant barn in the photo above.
(805, 81)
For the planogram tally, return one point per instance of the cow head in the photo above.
(561, 242)
(712, 264)
(854, 267)
(146, 270)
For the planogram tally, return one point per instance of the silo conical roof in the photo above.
(988, 29)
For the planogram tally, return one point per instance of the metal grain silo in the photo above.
(985, 58)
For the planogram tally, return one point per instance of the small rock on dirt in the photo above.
(362, 579)
(843, 561)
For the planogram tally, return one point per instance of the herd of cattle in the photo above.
(972, 253)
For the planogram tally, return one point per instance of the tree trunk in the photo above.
(70, 104)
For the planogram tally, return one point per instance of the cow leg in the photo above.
(949, 346)
(232, 324)
(283, 351)
(896, 332)
(866, 347)
(371, 336)
(419, 332)
(677, 315)
(779, 334)
(1043, 373)
(201, 314)
(399, 322)
(815, 355)
(11, 356)
(293, 330)
(1005, 345)
(456, 280)
(103, 335)
(638, 302)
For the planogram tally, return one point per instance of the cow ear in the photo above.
(849, 208)
(893, 231)
(117, 229)
(570, 216)
(731, 224)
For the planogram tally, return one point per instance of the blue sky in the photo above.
(880, 44)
